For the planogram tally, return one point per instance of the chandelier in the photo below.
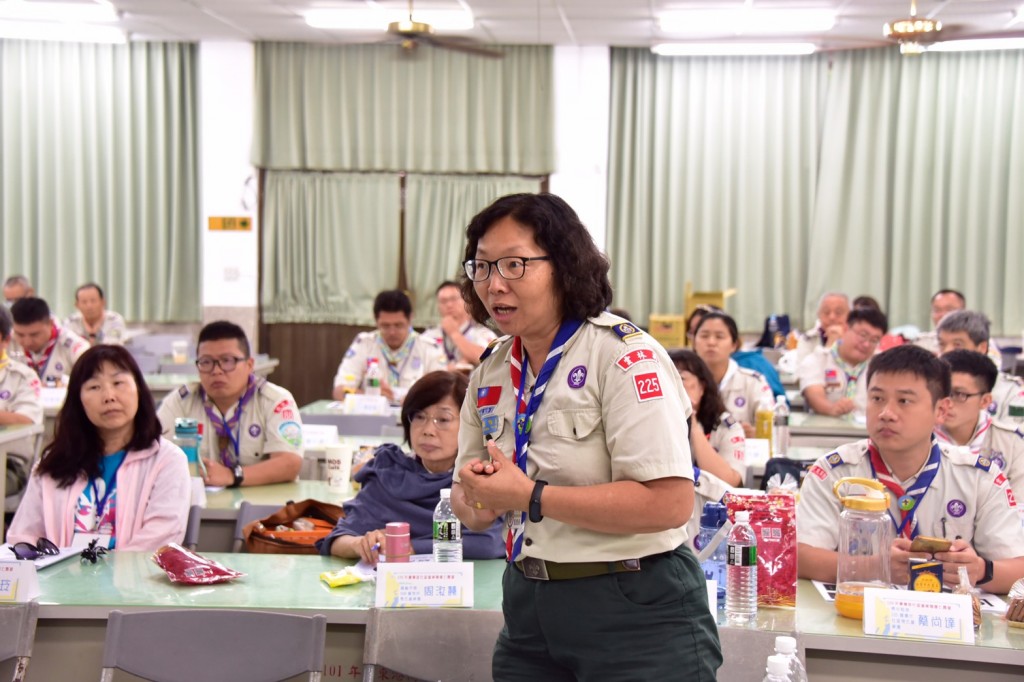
(913, 33)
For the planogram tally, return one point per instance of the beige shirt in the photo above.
(969, 499)
(475, 333)
(426, 355)
(68, 349)
(808, 342)
(20, 393)
(1004, 445)
(614, 410)
(270, 422)
(111, 331)
(741, 390)
(730, 443)
(1007, 388)
(821, 369)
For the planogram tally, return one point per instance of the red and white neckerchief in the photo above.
(977, 438)
(907, 500)
(40, 361)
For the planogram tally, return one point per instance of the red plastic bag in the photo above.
(773, 518)
(183, 566)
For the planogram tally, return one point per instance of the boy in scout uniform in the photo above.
(93, 322)
(19, 404)
(47, 348)
(935, 490)
(969, 330)
(462, 338)
(829, 377)
(968, 423)
(252, 432)
(403, 354)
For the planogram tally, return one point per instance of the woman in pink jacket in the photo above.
(107, 474)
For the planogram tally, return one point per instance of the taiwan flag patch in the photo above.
(488, 396)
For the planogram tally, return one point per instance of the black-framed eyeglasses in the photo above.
(962, 396)
(26, 551)
(226, 363)
(509, 267)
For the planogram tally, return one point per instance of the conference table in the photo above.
(330, 413)
(820, 430)
(76, 598)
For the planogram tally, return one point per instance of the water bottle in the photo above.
(741, 572)
(786, 647)
(447, 530)
(186, 437)
(780, 427)
(777, 670)
(371, 383)
(763, 418)
(711, 520)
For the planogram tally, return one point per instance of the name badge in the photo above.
(904, 614)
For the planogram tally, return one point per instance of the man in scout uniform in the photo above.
(830, 377)
(403, 354)
(252, 432)
(462, 339)
(968, 423)
(19, 404)
(833, 307)
(15, 287)
(944, 302)
(935, 490)
(969, 330)
(47, 348)
(93, 322)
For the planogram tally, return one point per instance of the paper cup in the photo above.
(179, 352)
(339, 466)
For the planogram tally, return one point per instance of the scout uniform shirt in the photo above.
(51, 370)
(741, 390)
(1001, 442)
(614, 409)
(270, 422)
(476, 333)
(20, 393)
(808, 342)
(825, 368)
(417, 356)
(730, 442)
(111, 331)
(1008, 388)
(969, 498)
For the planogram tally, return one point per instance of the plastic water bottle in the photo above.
(711, 520)
(786, 647)
(447, 530)
(780, 427)
(741, 572)
(186, 437)
(777, 670)
(371, 383)
(763, 418)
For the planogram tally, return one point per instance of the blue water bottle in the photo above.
(712, 519)
(186, 437)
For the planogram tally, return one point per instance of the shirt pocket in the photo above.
(577, 424)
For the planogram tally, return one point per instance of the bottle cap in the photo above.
(714, 515)
(778, 665)
(785, 645)
(185, 426)
(743, 516)
(446, 493)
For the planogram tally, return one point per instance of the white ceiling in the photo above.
(559, 22)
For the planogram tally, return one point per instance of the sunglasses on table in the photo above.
(28, 552)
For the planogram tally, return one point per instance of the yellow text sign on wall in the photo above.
(230, 224)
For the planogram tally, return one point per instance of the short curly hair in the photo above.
(580, 269)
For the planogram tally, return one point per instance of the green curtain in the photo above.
(330, 244)
(922, 170)
(438, 209)
(861, 171)
(98, 174)
(711, 179)
(375, 108)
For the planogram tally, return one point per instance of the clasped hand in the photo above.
(961, 553)
(495, 486)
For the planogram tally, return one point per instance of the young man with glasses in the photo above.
(403, 355)
(830, 377)
(252, 431)
(968, 422)
(462, 338)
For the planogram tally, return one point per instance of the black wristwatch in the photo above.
(535, 515)
(989, 568)
(239, 476)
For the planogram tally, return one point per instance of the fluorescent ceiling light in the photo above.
(61, 32)
(378, 19)
(731, 49)
(972, 45)
(744, 21)
(97, 12)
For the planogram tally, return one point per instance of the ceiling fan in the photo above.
(411, 33)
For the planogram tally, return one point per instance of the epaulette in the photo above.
(834, 459)
(729, 421)
(983, 463)
(183, 392)
(491, 346)
(626, 331)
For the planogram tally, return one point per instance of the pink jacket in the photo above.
(153, 494)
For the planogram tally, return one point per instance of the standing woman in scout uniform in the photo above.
(717, 338)
(574, 432)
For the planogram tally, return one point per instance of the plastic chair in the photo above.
(211, 645)
(247, 513)
(191, 540)
(17, 633)
(420, 642)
